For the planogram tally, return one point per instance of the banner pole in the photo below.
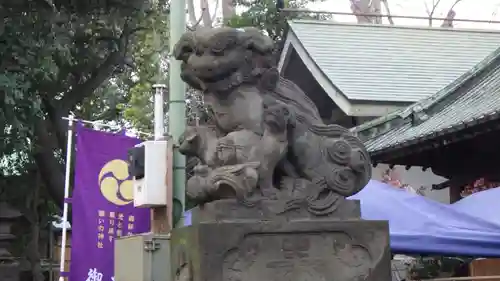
(66, 196)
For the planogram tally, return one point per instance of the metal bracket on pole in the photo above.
(177, 101)
(151, 245)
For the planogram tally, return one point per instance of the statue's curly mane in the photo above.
(304, 108)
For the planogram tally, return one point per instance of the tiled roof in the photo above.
(392, 63)
(474, 97)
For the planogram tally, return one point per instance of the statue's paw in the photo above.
(196, 195)
(197, 189)
(270, 193)
(201, 170)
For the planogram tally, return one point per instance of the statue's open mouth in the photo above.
(212, 76)
(227, 186)
(215, 78)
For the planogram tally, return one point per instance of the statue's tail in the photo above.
(324, 202)
(351, 165)
(316, 197)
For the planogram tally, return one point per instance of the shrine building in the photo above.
(356, 73)
(454, 132)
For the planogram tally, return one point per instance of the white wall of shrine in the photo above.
(416, 178)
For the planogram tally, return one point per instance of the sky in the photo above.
(488, 10)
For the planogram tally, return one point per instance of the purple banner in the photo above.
(102, 203)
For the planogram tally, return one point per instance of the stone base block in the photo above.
(229, 211)
(9, 271)
(295, 250)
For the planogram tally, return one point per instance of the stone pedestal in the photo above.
(228, 242)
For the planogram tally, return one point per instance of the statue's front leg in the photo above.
(270, 158)
(273, 146)
(267, 188)
(198, 187)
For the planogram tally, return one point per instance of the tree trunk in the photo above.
(51, 170)
(205, 13)
(191, 13)
(228, 11)
(448, 22)
(51, 131)
(430, 11)
(388, 12)
(359, 7)
(450, 16)
(376, 8)
(32, 249)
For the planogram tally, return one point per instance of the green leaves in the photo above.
(63, 59)
(149, 55)
(263, 15)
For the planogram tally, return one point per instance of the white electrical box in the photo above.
(152, 189)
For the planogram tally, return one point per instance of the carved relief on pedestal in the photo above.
(301, 256)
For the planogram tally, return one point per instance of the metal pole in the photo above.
(492, 277)
(51, 251)
(158, 111)
(304, 10)
(177, 109)
(66, 195)
(100, 123)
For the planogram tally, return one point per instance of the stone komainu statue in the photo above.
(268, 141)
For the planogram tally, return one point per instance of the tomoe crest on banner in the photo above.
(115, 183)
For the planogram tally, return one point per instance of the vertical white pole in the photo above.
(69, 148)
(158, 111)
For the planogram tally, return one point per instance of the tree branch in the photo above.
(450, 16)
(374, 7)
(86, 89)
(53, 126)
(207, 20)
(55, 116)
(191, 13)
(228, 11)
(359, 7)
(215, 11)
(103, 72)
(430, 12)
(494, 13)
(196, 24)
(49, 167)
(388, 11)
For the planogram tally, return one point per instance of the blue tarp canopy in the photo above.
(484, 204)
(470, 227)
(421, 226)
